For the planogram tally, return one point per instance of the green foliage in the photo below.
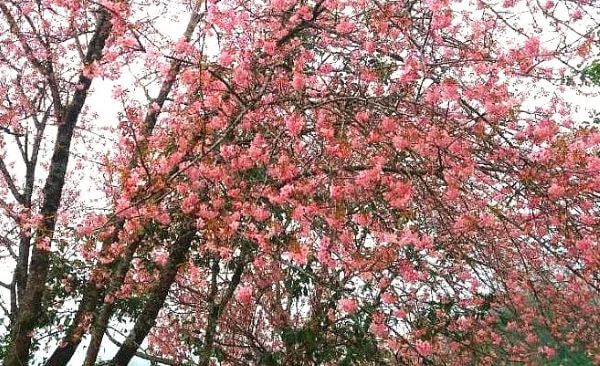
(382, 68)
(361, 346)
(128, 308)
(591, 75)
(3, 344)
(592, 72)
(256, 174)
(299, 282)
(348, 343)
(565, 355)
(309, 342)
(66, 280)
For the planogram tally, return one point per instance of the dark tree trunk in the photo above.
(30, 305)
(92, 296)
(147, 317)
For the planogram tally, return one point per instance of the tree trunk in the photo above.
(147, 317)
(30, 309)
(92, 296)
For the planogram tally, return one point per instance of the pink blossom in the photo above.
(269, 47)
(370, 46)
(548, 352)
(225, 59)
(378, 329)
(160, 256)
(298, 81)
(279, 5)
(437, 5)
(576, 14)
(43, 243)
(241, 76)
(189, 203)
(399, 194)
(556, 190)
(299, 254)
(260, 213)
(244, 295)
(593, 164)
(424, 347)
(128, 42)
(532, 46)
(348, 305)
(388, 298)
(441, 20)
(344, 27)
(294, 124)
(362, 116)
(584, 245)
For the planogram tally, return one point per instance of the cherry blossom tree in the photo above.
(301, 182)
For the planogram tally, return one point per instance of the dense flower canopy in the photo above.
(298, 182)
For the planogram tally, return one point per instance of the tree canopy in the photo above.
(299, 182)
